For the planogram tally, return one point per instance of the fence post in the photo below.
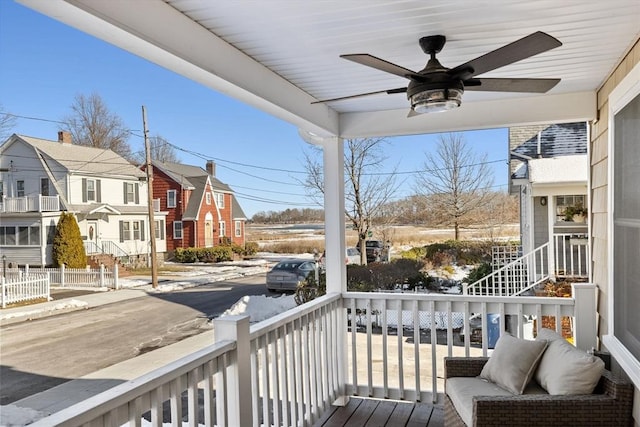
(62, 267)
(26, 270)
(116, 281)
(101, 275)
(239, 403)
(48, 286)
(4, 290)
(585, 315)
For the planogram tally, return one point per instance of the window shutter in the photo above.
(98, 191)
(124, 192)
(121, 232)
(136, 187)
(84, 189)
(162, 229)
(141, 230)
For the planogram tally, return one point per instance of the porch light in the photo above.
(436, 100)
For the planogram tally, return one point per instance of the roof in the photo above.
(195, 200)
(563, 139)
(183, 174)
(237, 211)
(82, 159)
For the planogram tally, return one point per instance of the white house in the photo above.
(549, 172)
(40, 178)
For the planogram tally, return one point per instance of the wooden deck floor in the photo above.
(373, 412)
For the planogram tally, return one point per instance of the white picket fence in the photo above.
(36, 286)
(69, 277)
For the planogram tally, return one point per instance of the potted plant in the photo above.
(576, 213)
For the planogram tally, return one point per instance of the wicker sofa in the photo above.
(610, 404)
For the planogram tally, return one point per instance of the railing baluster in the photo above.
(369, 352)
(385, 354)
(400, 339)
(416, 345)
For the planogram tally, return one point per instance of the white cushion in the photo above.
(462, 389)
(565, 369)
(513, 362)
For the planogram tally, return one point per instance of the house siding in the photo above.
(599, 148)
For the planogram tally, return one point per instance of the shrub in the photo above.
(310, 290)
(251, 248)
(478, 273)
(68, 248)
(185, 255)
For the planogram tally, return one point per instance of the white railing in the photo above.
(69, 277)
(287, 370)
(516, 277)
(37, 203)
(25, 289)
(571, 255)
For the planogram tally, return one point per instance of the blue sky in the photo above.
(45, 64)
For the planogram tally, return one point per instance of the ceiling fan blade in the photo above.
(526, 47)
(511, 85)
(380, 64)
(388, 92)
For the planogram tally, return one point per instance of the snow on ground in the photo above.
(14, 416)
(35, 311)
(261, 307)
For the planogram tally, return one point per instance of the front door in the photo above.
(208, 233)
(92, 236)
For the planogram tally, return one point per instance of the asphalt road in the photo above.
(40, 354)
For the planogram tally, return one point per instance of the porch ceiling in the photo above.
(281, 55)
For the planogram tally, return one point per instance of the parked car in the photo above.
(374, 248)
(353, 256)
(288, 274)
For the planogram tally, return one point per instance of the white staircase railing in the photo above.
(516, 277)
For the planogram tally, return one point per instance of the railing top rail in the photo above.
(458, 298)
(87, 410)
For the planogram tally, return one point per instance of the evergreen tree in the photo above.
(67, 243)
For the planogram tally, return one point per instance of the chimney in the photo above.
(211, 168)
(64, 137)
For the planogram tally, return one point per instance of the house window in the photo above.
(129, 192)
(238, 228)
(219, 200)
(1, 190)
(570, 201)
(8, 236)
(44, 186)
(177, 229)
(626, 227)
(171, 198)
(19, 188)
(623, 338)
(208, 197)
(222, 227)
(126, 230)
(51, 234)
(91, 190)
(159, 229)
(136, 230)
(34, 235)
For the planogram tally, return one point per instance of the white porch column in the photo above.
(551, 220)
(334, 222)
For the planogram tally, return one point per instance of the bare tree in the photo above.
(367, 191)
(7, 123)
(457, 181)
(161, 149)
(92, 124)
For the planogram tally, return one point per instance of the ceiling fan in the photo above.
(437, 88)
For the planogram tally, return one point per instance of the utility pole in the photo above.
(152, 223)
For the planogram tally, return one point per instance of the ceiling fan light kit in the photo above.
(436, 88)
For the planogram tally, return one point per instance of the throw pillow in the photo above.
(513, 362)
(565, 369)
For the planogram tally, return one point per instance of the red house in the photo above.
(202, 211)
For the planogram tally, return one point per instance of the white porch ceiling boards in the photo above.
(280, 55)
